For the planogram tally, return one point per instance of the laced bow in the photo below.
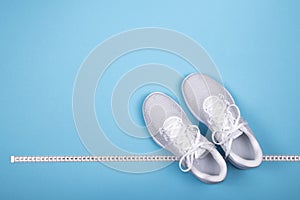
(225, 126)
(186, 139)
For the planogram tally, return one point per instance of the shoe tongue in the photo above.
(235, 135)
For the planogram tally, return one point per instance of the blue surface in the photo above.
(254, 44)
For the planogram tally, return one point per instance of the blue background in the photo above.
(255, 45)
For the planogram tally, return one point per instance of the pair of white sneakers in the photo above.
(212, 105)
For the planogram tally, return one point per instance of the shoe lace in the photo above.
(225, 127)
(185, 138)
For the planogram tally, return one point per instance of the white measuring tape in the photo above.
(134, 158)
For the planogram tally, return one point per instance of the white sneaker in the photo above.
(213, 105)
(171, 129)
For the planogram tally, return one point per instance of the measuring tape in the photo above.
(134, 158)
